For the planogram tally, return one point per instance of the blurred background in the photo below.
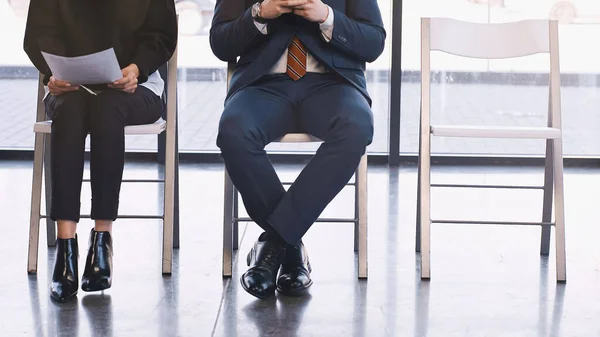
(511, 92)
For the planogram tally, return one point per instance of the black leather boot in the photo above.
(98, 266)
(294, 278)
(264, 261)
(65, 279)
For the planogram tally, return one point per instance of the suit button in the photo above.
(343, 39)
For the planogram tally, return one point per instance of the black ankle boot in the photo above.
(98, 266)
(65, 283)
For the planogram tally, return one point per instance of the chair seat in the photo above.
(495, 132)
(298, 138)
(145, 129)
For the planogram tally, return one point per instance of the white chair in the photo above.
(170, 217)
(493, 41)
(231, 218)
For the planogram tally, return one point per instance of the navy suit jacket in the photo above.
(358, 37)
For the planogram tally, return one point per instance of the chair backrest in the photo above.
(490, 41)
(487, 41)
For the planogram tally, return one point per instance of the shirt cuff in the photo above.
(327, 26)
(262, 27)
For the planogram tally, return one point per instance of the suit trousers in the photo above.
(321, 104)
(104, 117)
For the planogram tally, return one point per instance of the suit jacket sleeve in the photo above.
(43, 33)
(156, 39)
(233, 31)
(359, 32)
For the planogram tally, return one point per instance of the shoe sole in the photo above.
(90, 290)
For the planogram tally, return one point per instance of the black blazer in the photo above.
(358, 37)
(143, 32)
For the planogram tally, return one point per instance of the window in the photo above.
(504, 92)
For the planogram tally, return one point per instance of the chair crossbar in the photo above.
(475, 222)
(489, 186)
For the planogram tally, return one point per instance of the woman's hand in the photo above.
(129, 81)
(58, 87)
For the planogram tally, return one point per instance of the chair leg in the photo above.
(547, 203)
(50, 224)
(176, 198)
(236, 224)
(356, 209)
(361, 187)
(228, 201)
(559, 209)
(424, 209)
(161, 140)
(36, 202)
(418, 224)
(169, 211)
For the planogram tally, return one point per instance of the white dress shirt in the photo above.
(312, 65)
(155, 83)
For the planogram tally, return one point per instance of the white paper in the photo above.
(97, 68)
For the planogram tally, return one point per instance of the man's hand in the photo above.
(129, 81)
(58, 87)
(272, 9)
(313, 10)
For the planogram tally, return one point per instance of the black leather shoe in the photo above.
(98, 266)
(294, 278)
(264, 261)
(65, 282)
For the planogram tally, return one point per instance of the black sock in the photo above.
(273, 236)
(291, 245)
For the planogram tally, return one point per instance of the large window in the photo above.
(201, 87)
(505, 92)
(201, 83)
(17, 84)
(202, 91)
(467, 91)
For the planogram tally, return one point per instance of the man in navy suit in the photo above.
(301, 69)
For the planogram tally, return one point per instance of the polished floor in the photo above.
(486, 281)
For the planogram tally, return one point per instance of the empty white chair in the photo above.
(170, 217)
(231, 218)
(493, 41)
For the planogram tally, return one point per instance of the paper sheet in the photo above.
(97, 68)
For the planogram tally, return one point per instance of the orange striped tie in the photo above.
(296, 60)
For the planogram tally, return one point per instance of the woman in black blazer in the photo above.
(143, 34)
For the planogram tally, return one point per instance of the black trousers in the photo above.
(323, 105)
(104, 117)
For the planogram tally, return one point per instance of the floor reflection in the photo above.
(98, 309)
(278, 316)
(421, 303)
(63, 318)
(36, 311)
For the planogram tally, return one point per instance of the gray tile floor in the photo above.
(201, 104)
(486, 281)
